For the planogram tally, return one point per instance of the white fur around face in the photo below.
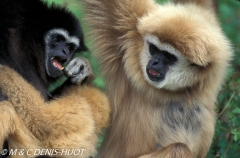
(65, 34)
(179, 75)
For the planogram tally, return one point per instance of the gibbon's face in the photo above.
(178, 47)
(164, 67)
(60, 49)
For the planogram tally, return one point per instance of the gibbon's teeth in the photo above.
(55, 64)
(52, 58)
(154, 73)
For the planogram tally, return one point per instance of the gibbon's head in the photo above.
(63, 37)
(182, 46)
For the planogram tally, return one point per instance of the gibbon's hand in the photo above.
(78, 69)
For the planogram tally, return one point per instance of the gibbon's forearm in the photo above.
(27, 101)
(63, 113)
(109, 26)
(21, 136)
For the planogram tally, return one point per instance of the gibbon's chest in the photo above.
(178, 115)
(178, 121)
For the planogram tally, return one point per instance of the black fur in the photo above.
(23, 25)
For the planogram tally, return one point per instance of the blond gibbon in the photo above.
(71, 122)
(164, 66)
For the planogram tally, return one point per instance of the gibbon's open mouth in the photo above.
(154, 73)
(58, 62)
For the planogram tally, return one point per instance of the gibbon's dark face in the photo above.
(59, 50)
(158, 64)
(164, 67)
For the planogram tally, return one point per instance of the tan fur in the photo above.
(204, 3)
(159, 122)
(20, 137)
(70, 122)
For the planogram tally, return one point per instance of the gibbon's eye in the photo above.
(71, 46)
(194, 65)
(153, 49)
(169, 57)
(58, 38)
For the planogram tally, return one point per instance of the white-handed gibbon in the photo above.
(164, 66)
(39, 42)
(72, 121)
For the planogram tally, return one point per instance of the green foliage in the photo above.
(226, 142)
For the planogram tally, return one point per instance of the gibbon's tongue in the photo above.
(153, 72)
(57, 64)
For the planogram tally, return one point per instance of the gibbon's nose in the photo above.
(156, 64)
(155, 61)
(65, 51)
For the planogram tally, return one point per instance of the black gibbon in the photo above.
(39, 43)
(37, 40)
(164, 66)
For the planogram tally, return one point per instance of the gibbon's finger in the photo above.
(85, 72)
(74, 71)
(71, 69)
(76, 66)
(80, 77)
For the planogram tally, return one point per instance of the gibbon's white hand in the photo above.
(78, 69)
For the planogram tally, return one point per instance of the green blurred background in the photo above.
(226, 143)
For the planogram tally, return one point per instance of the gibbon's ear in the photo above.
(210, 4)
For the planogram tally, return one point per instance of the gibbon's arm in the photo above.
(11, 124)
(113, 23)
(206, 4)
(76, 116)
(78, 71)
(178, 150)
